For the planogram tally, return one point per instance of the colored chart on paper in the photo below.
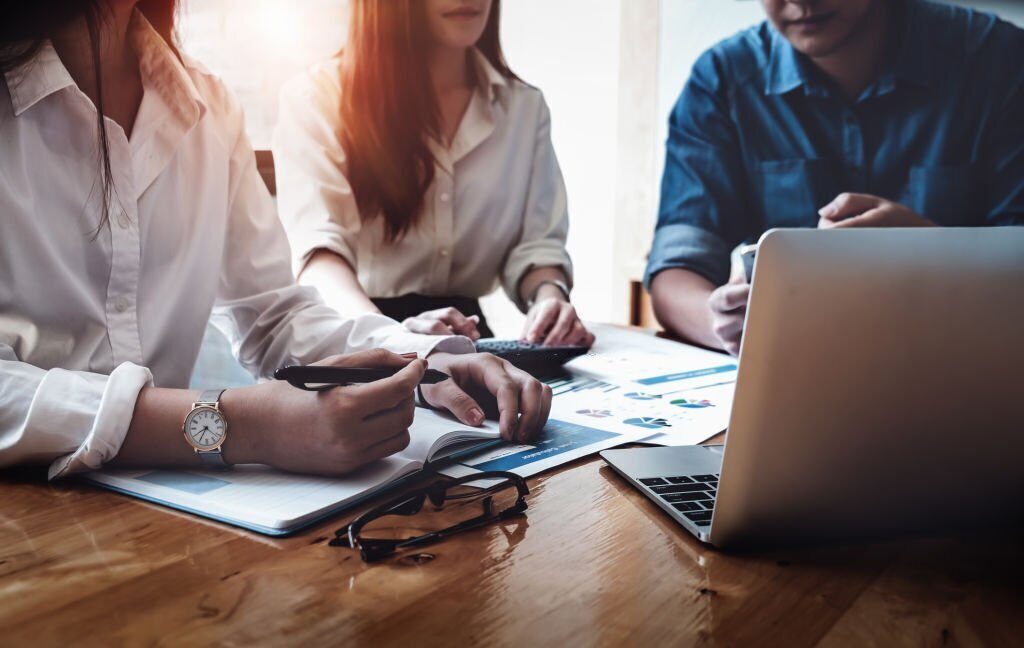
(649, 422)
(595, 413)
(647, 364)
(692, 403)
(642, 396)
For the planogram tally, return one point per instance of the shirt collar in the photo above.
(37, 78)
(912, 59)
(490, 82)
(163, 72)
(786, 71)
(916, 59)
(44, 74)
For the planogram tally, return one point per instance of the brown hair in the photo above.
(389, 110)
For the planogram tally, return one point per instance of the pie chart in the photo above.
(649, 422)
(594, 413)
(692, 403)
(641, 396)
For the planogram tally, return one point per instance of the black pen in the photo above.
(321, 377)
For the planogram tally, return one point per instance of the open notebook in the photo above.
(276, 503)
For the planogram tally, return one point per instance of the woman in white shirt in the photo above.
(131, 208)
(415, 172)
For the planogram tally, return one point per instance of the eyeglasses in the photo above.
(377, 534)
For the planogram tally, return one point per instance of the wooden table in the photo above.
(592, 563)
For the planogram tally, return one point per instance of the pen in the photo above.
(320, 377)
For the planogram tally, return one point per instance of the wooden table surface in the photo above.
(592, 563)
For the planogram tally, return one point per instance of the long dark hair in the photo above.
(28, 25)
(389, 109)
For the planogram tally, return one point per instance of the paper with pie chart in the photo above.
(651, 364)
(683, 418)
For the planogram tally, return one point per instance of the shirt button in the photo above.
(444, 252)
(445, 197)
(123, 220)
(121, 304)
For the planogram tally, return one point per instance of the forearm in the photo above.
(337, 283)
(532, 279)
(680, 299)
(156, 438)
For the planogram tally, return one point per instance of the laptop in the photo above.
(880, 391)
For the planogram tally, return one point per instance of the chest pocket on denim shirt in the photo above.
(794, 190)
(943, 194)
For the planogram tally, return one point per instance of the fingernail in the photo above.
(476, 417)
(826, 211)
(410, 356)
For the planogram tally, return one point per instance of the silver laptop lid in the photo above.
(880, 385)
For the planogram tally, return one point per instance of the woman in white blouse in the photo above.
(131, 207)
(415, 172)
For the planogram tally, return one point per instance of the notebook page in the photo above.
(432, 430)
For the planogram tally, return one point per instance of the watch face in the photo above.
(205, 428)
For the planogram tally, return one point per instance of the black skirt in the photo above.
(401, 308)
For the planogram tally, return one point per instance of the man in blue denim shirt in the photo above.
(834, 113)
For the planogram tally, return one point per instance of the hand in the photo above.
(483, 383)
(553, 321)
(335, 431)
(728, 306)
(863, 210)
(444, 321)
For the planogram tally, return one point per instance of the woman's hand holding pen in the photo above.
(329, 432)
(338, 430)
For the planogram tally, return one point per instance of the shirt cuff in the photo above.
(104, 408)
(538, 254)
(401, 340)
(690, 248)
(328, 237)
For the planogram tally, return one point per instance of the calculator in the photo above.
(535, 359)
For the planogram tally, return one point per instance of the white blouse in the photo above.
(89, 317)
(496, 208)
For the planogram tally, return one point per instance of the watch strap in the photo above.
(210, 397)
(212, 458)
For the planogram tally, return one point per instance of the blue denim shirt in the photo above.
(760, 138)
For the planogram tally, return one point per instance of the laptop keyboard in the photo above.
(691, 495)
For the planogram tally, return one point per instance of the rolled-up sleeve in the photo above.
(703, 212)
(272, 321)
(314, 199)
(546, 220)
(74, 421)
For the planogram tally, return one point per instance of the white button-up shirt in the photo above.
(90, 315)
(496, 208)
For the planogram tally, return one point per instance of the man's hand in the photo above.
(444, 321)
(481, 383)
(863, 210)
(728, 306)
(553, 321)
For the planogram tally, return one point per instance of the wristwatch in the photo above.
(206, 428)
(561, 285)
